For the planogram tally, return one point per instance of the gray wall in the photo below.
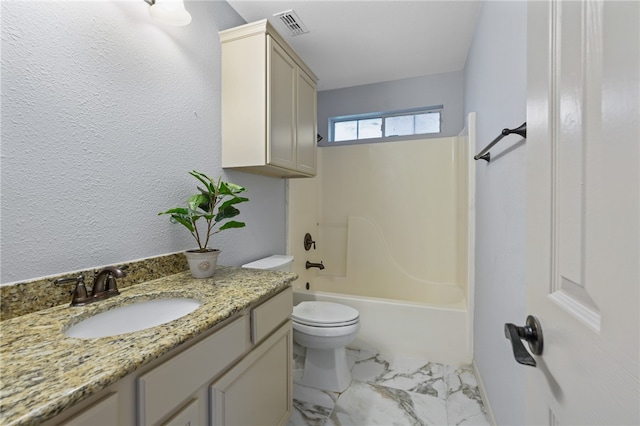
(104, 112)
(440, 89)
(495, 87)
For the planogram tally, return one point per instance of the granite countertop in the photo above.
(44, 372)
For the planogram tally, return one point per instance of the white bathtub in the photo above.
(395, 328)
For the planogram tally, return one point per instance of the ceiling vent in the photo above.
(292, 21)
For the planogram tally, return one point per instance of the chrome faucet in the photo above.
(309, 265)
(104, 285)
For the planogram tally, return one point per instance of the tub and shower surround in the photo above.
(388, 221)
(394, 232)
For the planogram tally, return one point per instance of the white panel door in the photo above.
(583, 211)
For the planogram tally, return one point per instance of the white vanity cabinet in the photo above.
(240, 373)
(269, 103)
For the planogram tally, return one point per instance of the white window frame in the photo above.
(382, 115)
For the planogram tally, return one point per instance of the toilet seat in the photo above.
(326, 331)
(324, 324)
(324, 314)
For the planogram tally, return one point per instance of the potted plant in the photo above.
(215, 203)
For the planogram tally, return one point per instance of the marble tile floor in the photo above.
(402, 391)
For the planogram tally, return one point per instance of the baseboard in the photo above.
(483, 394)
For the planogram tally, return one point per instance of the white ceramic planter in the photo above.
(202, 265)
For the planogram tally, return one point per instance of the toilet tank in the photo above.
(277, 262)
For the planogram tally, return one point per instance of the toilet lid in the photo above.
(327, 314)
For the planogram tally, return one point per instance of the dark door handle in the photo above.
(532, 333)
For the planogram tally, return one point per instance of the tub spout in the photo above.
(310, 265)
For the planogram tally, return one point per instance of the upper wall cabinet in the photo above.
(269, 123)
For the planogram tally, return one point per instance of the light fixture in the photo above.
(170, 12)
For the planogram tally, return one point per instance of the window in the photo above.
(387, 124)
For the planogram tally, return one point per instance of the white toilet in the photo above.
(324, 329)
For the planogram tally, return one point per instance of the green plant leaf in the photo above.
(224, 189)
(199, 201)
(226, 213)
(183, 221)
(232, 224)
(177, 210)
(228, 188)
(234, 200)
(206, 180)
(236, 189)
(200, 176)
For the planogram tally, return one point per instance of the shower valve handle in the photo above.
(308, 241)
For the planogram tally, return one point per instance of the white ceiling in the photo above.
(351, 43)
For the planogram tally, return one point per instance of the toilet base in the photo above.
(326, 369)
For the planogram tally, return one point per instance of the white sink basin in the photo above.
(134, 317)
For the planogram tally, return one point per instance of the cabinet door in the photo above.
(307, 128)
(281, 73)
(103, 412)
(188, 416)
(163, 389)
(257, 391)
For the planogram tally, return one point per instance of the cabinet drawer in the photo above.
(269, 315)
(162, 389)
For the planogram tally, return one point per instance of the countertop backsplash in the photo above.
(25, 297)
